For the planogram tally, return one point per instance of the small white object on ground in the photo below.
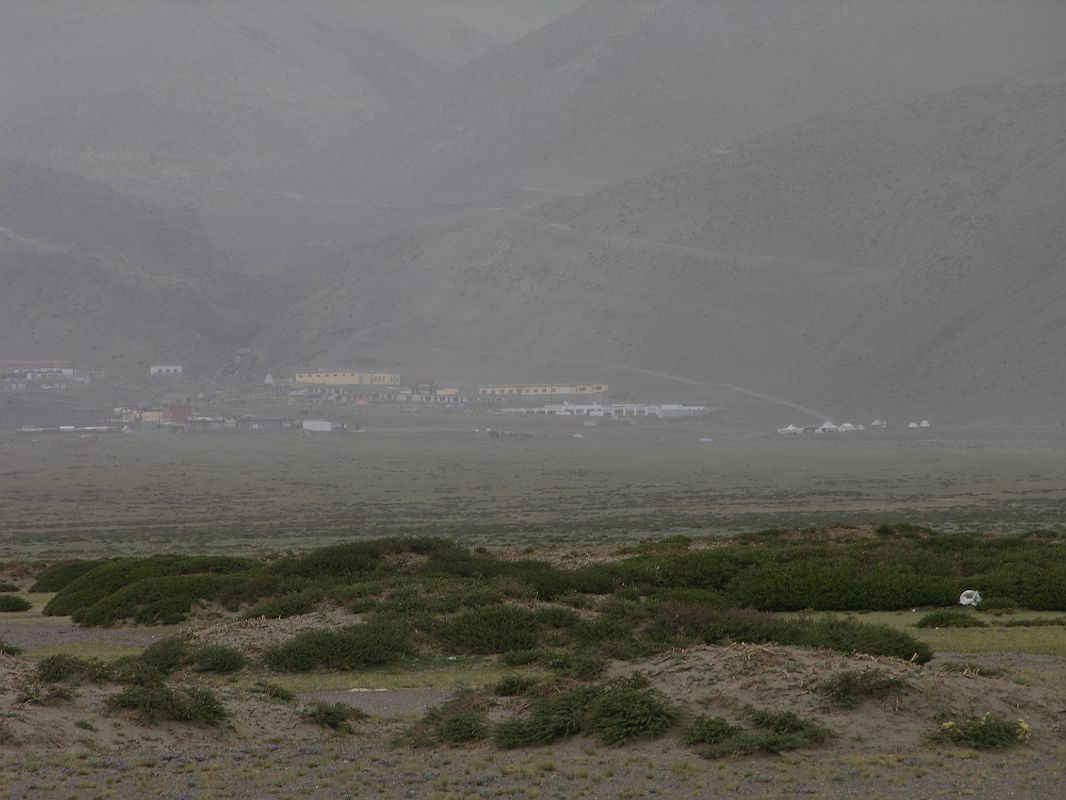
(970, 597)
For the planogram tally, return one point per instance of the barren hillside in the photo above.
(105, 279)
(907, 255)
(618, 88)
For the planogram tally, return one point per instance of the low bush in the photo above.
(287, 605)
(65, 668)
(775, 732)
(337, 716)
(166, 655)
(8, 587)
(158, 589)
(463, 727)
(848, 689)
(548, 721)
(135, 672)
(614, 712)
(704, 730)
(843, 634)
(586, 666)
(217, 658)
(35, 693)
(354, 647)
(59, 576)
(625, 711)
(12, 603)
(458, 721)
(7, 649)
(492, 629)
(787, 723)
(950, 619)
(556, 617)
(512, 685)
(152, 703)
(983, 733)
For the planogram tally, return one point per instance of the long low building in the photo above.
(542, 389)
(347, 378)
(663, 411)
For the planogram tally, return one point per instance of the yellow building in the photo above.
(542, 390)
(348, 378)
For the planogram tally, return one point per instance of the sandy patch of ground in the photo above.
(265, 749)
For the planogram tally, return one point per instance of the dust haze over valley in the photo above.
(537, 288)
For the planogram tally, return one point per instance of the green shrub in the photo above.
(9, 649)
(135, 672)
(217, 658)
(151, 590)
(163, 600)
(291, 604)
(493, 629)
(8, 587)
(845, 635)
(512, 685)
(786, 722)
(354, 647)
(983, 733)
(704, 730)
(162, 702)
(62, 667)
(548, 721)
(586, 666)
(463, 727)
(950, 619)
(166, 655)
(59, 576)
(556, 617)
(11, 603)
(35, 693)
(337, 716)
(848, 689)
(776, 732)
(623, 712)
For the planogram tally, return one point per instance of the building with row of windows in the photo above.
(542, 389)
(347, 378)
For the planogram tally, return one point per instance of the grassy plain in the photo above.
(153, 491)
(582, 506)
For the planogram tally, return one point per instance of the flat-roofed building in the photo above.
(542, 389)
(347, 378)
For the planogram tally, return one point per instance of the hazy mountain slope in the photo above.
(173, 94)
(956, 200)
(620, 87)
(105, 279)
(905, 258)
